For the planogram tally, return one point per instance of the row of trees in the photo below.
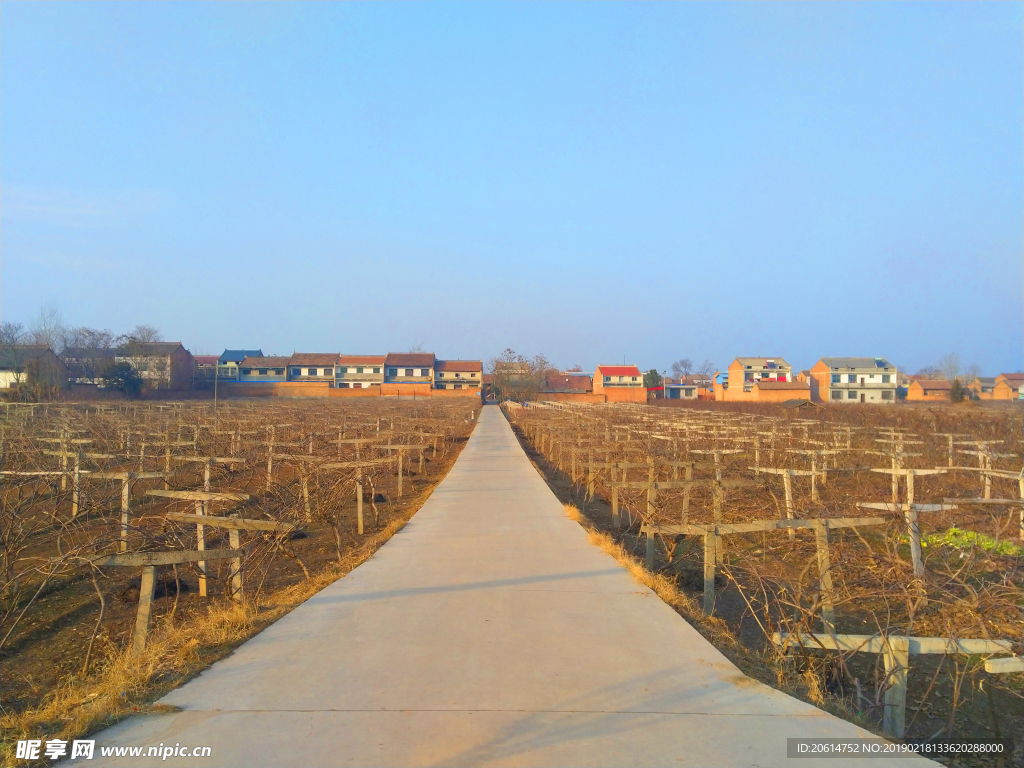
(950, 368)
(49, 329)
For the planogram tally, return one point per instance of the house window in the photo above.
(634, 378)
(409, 372)
(473, 375)
(887, 394)
(440, 375)
(458, 386)
(342, 385)
(852, 378)
(263, 371)
(851, 394)
(458, 375)
(311, 371)
(835, 378)
(279, 371)
(296, 371)
(246, 371)
(392, 372)
(328, 371)
(837, 394)
(607, 378)
(376, 370)
(886, 378)
(359, 370)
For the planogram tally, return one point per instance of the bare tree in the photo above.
(48, 329)
(12, 333)
(949, 366)
(707, 368)
(144, 333)
(682, 367)
(972, 372)
(930, 371)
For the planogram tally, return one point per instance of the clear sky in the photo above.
(596, 182)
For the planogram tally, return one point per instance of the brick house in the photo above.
(744, 372)
(982, 387)
(620, 383)
(769, 391)
(853, 380)
(31, 363)
(254, 370)
(359, 371)
(1007, 386)
(230, 360)
(161, 364)
(458, 374)
(923, 390)
(409, 368)
(312, 366)
(206, 368)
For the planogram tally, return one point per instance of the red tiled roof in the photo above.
(361, 360)
(459, 366)
(205, 359)
(314, 358)
(264, 362)
(933, 383)
(619, 370)
(413, 359)
(569, 382)
(1018, 377)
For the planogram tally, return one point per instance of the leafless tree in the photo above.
(682, 366)
(707, 368)
(48, 328)
(930, 371)
(949, 366)
(972, 372)
(144, 333)
(12, 333)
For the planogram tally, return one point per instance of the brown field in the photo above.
(67, 624)
(771, 581)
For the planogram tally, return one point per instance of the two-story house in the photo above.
(458, 374)
(161, 364)
(744, 372)
(261, 369)
(359, 371)
(229, 362)
(853, 380)
(312, 366)
(409, 368)
(1008, 386)
(620, 384)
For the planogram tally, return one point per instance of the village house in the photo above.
(1007, 386)
(230, 360)
(744, 372)
(769, 391)
(409, 368)
(680, 391)
(312, 367)
(853, 380)
(458, 374)
(31, 364)
(359, 371)
(260, 369)
(86, 365)
(206, 368)
(620, 383)
(928, 390)
(161, 364)
(982, 386)
(568, 383)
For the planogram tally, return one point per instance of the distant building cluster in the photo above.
(162, 365)
(169, 366)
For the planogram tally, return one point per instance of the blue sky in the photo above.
(596, 182)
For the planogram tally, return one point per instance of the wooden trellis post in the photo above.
(201, 499)
(127, 480)
(149, 562)
(896, 652)
(712, 535)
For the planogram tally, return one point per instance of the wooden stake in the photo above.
(147, 587)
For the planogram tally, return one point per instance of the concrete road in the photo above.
(489, 631)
